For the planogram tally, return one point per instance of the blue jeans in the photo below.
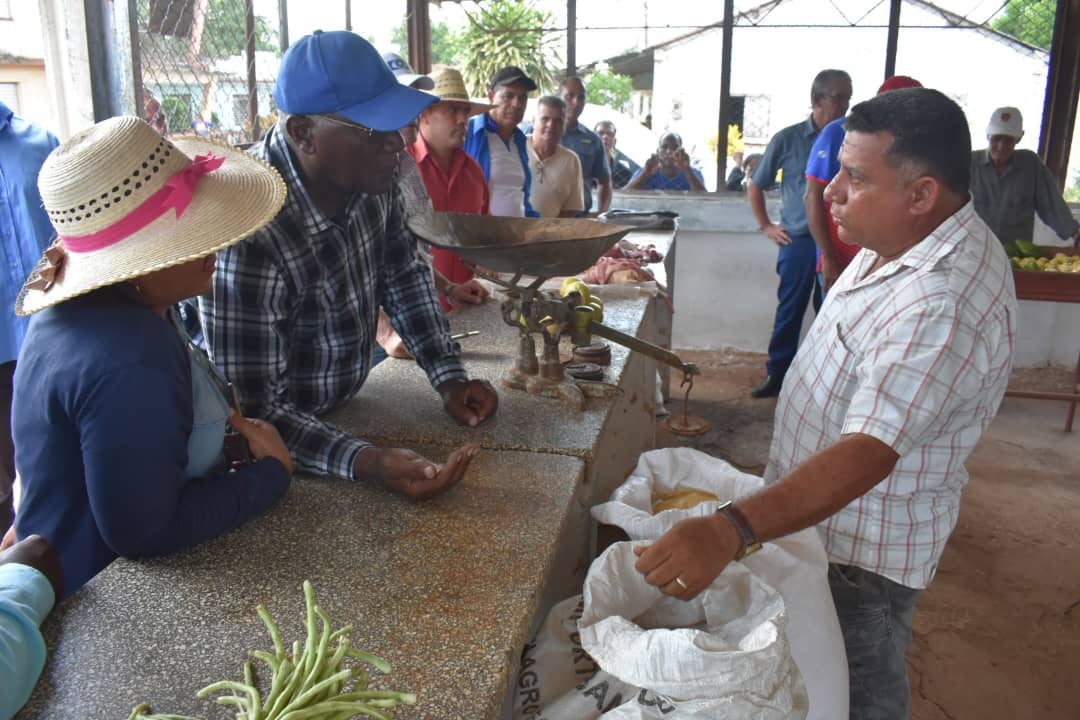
(875, 618)
(796, 265)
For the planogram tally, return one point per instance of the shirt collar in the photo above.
(939, 243)
(299, 201)
(421, 148)
(809, 128)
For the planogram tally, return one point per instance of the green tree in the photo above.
(445, 43)
(1029, 20)
(510, 32)
(604, 87)
(224, 33)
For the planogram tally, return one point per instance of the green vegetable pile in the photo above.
(311, 684)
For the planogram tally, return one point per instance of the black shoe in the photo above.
(769, 387)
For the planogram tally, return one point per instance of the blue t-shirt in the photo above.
(590, 150)
(824, 161)
(660, 181)
(788, 151)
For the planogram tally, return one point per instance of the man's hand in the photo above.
(652, 165)
(36, 552)
(695, 551)
(777, 234)
(389, 340)
(472, 292)
(1076, 239)
(470, 402)
(682, 160)
(410, 474)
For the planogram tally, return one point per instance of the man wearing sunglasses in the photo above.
(292, 318)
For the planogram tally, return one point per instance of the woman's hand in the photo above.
(262, 438)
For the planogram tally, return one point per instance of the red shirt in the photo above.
(843, 251)
(464, 190)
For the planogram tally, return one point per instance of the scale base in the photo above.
(571, 392)
(686, 425)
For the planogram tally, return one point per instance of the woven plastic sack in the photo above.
(795, 565)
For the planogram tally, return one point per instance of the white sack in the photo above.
(722, 655)
(795, 565)
(625, 650)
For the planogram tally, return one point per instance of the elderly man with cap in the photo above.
(498, 145)
(292, 316)
(1009, 186)
(833, 253)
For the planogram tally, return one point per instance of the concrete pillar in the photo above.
(67, 65)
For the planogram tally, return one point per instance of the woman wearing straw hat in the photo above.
(120, 422)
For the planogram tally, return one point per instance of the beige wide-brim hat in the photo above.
(94, 185)
(450, 87)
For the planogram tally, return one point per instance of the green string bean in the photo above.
(313, 683)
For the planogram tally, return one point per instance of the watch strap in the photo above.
(748, 540)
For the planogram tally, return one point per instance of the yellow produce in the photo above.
(1060, 263)
(682, 500)
(575, 284)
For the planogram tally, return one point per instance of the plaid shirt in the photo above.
(917, 355)
(292, 317)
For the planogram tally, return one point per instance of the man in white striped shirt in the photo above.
(904, 367)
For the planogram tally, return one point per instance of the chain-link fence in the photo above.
(208, 67)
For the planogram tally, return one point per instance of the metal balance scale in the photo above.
(530, 251)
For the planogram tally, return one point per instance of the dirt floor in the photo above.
(997, 633)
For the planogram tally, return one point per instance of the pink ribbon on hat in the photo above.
(175, 195)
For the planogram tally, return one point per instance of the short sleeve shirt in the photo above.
(788, 150)
(590, 151)
(916, 354)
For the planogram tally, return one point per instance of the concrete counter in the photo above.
(445, 590)
(398, 408)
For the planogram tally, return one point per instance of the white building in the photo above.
(779, 46)
(23, 87)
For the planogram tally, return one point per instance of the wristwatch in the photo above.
(749, 541)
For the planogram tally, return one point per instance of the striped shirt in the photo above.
(916, 354)
(292, 318)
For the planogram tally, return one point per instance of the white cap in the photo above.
(405, 74)
(1006, 121)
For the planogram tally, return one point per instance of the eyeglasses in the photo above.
(373, 137)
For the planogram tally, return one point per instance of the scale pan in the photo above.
(544, 247)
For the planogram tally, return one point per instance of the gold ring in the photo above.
(683, 585)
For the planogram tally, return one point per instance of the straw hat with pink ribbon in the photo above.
(126, 202)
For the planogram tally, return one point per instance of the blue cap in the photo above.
(340, 72)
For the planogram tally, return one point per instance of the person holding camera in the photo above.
(669, 168)
(119, 423)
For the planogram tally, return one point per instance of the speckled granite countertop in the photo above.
(444, 589)
(397, 393)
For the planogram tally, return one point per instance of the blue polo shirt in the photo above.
(24, 224)
(788, 151)
(590, 150)
(824, 161)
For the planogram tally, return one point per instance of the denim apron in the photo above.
(210, 410)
